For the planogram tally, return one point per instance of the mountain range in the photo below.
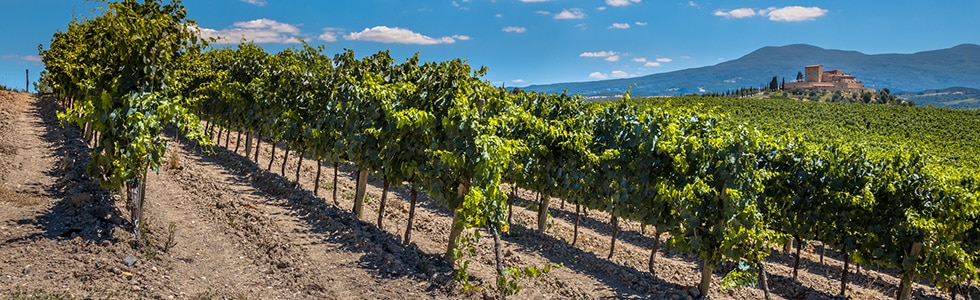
(958, 66)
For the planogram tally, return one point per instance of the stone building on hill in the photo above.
(834, 80)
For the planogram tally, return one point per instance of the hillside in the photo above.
(956, 66)
(954, 97)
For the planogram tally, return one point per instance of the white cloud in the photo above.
(600, 8)
(517, 80)
(613, 58)
(328, 36)
(460, 7)
(664, 60)
(23, 58)
(737, 13)
(515, 29)
(620, 26)
(268, 24)
(785, 14)
(258, 31)
(396, 35)
(692, 4)
(499, 15)
(598, 75)
(598, 54)
(638, 23)
(795, 13)
(621, 2)
(650, 64)
(255, 2)
(619, 73)
(686, 57)
(542, 12)
(573, 13)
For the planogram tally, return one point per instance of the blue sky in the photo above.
(527, 42)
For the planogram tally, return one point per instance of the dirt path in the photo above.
(229, 238)
(221, 226)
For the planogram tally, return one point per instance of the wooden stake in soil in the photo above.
(615, 233)
(510, 203)
(543, 213)
(299, 165)
(258, 145)
(335, 201)
(316, 182)
(843, 275)
(498, 258)
(218, 140)
(577, 214)
(454, 233)
(177, 135)
(653, 253)
(285, 158)
(359, 192)
(905, 287)
(248, 144)
(272, 157)
(411, 215)
(384, 197)
(238, 141)
(796, 263)
(764, 280)
(706, 270)
(457, 225)
(87, 133)
(823, 246)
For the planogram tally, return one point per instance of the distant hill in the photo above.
(957, 66)
(954, 97)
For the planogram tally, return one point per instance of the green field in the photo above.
(949, 135)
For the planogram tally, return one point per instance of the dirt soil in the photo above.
(221, 226)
